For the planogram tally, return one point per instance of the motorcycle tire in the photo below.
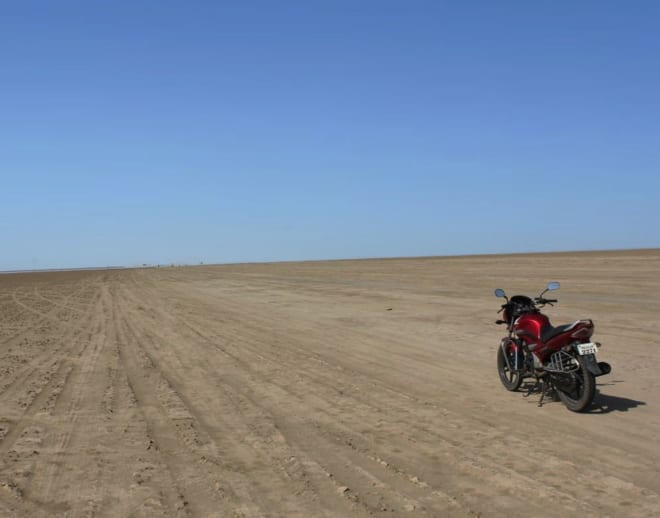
(510, 379)
(585, 389)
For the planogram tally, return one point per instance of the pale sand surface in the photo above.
(294, 390)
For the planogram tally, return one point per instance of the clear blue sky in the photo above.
(218, 131)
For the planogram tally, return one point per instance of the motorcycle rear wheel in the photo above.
(585, 389)
(509, 378)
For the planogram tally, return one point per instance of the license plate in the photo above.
(589, 348)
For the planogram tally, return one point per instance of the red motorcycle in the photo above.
(561, 359)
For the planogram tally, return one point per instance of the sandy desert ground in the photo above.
(349, 388)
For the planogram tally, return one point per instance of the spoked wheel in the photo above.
(582, 393)
(509, 378)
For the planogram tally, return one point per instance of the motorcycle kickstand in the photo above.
(532, 389)
(542, 382)
(544, 390)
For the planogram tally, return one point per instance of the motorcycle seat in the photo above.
(549, 332)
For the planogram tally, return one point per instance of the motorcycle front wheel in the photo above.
(584, 389)
(510, 379)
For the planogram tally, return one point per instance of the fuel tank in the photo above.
(528, 328)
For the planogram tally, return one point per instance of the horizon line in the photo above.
(386, 258)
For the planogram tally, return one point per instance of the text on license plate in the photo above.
(589, 348)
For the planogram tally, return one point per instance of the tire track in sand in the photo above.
(240, 459)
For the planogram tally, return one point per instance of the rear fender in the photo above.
(594, 366)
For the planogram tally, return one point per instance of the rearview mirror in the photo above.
(499, 292)
(553, 286)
